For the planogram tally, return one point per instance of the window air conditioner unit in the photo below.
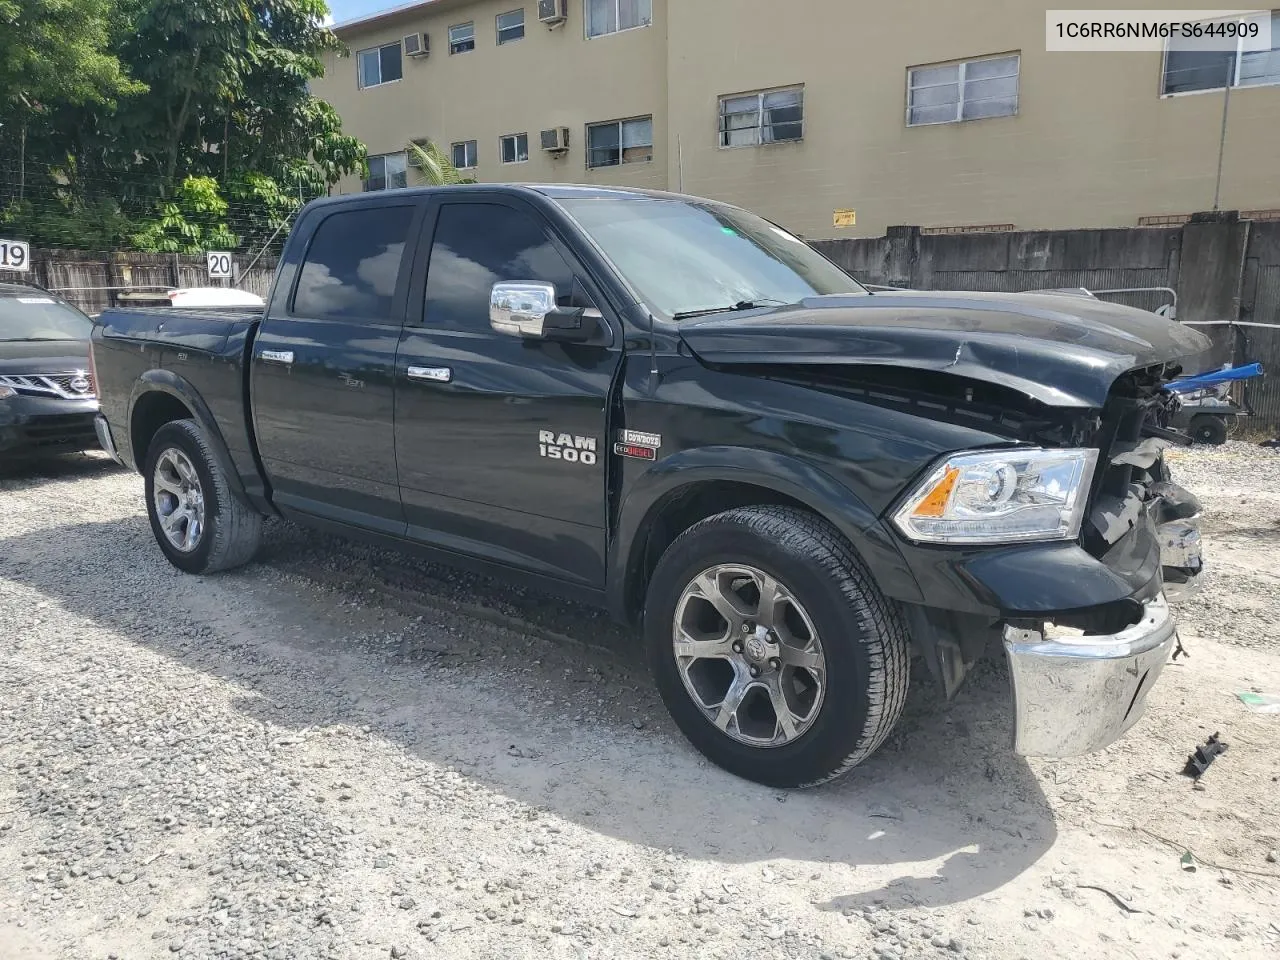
(417, 45)
(553, 12)
(555, 140)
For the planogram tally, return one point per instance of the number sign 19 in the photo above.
(219, 265)
(15, 255)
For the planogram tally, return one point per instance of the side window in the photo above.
(353, 264)
(478, 244)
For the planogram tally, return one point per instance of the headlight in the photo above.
(7, 392)
(1000, 496)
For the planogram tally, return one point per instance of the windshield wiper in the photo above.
(740, 305)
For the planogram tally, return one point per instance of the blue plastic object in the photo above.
(1188, 384)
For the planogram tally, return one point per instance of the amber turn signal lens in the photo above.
(935, 502)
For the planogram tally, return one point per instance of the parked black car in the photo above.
(678, 410)
(47, 395)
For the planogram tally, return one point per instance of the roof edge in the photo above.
(383, 16)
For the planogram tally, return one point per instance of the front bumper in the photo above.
(1074, 694)
(39, 425)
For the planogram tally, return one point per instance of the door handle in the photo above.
(277, 356)
(430, 374)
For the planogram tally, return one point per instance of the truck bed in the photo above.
(197, 357)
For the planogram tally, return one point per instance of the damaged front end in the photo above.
(1081, 677)
(1086, 624)
(1133, 480)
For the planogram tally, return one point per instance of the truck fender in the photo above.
(166, 381)
(780, 473)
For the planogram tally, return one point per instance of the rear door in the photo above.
(324, 362)
(501, 441)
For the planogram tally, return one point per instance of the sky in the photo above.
(342, 10)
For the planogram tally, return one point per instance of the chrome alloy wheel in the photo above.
(749, 655)
(179, 500)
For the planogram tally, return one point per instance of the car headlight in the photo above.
(1000, 496)
(7, 392)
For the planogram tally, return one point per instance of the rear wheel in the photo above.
(774, 651)
(1209, 429)
(198, 521)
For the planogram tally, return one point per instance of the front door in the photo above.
(323, 368)
(501, 441)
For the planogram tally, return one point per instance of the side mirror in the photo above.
(521, 309)
(528, 309)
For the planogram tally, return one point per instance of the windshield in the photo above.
(38, 316)
(683, 257)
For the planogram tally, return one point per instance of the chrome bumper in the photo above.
(103, 430)
(1074, 694)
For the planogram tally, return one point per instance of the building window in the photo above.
(611, 16)
(1187, 71)
(510, 26)
(968, 90)
(379, 65)
(462, 37)
(769, 116)
(515, 148)
(465, 154)
(387, 171)
(620, 141)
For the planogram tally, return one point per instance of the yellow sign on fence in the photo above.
(845, 218)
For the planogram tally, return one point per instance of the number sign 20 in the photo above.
(219, 264)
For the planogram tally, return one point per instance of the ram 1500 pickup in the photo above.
(680, 411)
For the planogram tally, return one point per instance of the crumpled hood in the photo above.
(1061, 349)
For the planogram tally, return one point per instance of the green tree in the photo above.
(192, 221)
(220, 108)
(53, 55)
(54, 51)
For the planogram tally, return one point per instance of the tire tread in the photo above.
(884, 633)
(237, 530)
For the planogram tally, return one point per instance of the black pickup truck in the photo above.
(675, 409)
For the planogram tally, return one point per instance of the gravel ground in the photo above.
(338, 752)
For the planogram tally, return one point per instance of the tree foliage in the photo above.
(54, 51)
(206, 134)
(193, 220)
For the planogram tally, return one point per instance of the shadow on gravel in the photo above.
(33, 471)
(554, 709)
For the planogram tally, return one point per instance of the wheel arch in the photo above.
(692, 485)
(162, 396)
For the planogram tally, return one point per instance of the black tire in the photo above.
(863, 638)
(232, 529)
(1209, 429)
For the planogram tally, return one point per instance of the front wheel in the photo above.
(198, 521)
(772, 648)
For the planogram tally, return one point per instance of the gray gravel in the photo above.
(339, 753)
(1239, 484)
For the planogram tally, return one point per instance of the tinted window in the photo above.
(353, 264)
(477, 245)
(38, 316)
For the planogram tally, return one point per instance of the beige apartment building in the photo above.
(833, 117)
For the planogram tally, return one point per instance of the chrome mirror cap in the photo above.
(521, 309)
